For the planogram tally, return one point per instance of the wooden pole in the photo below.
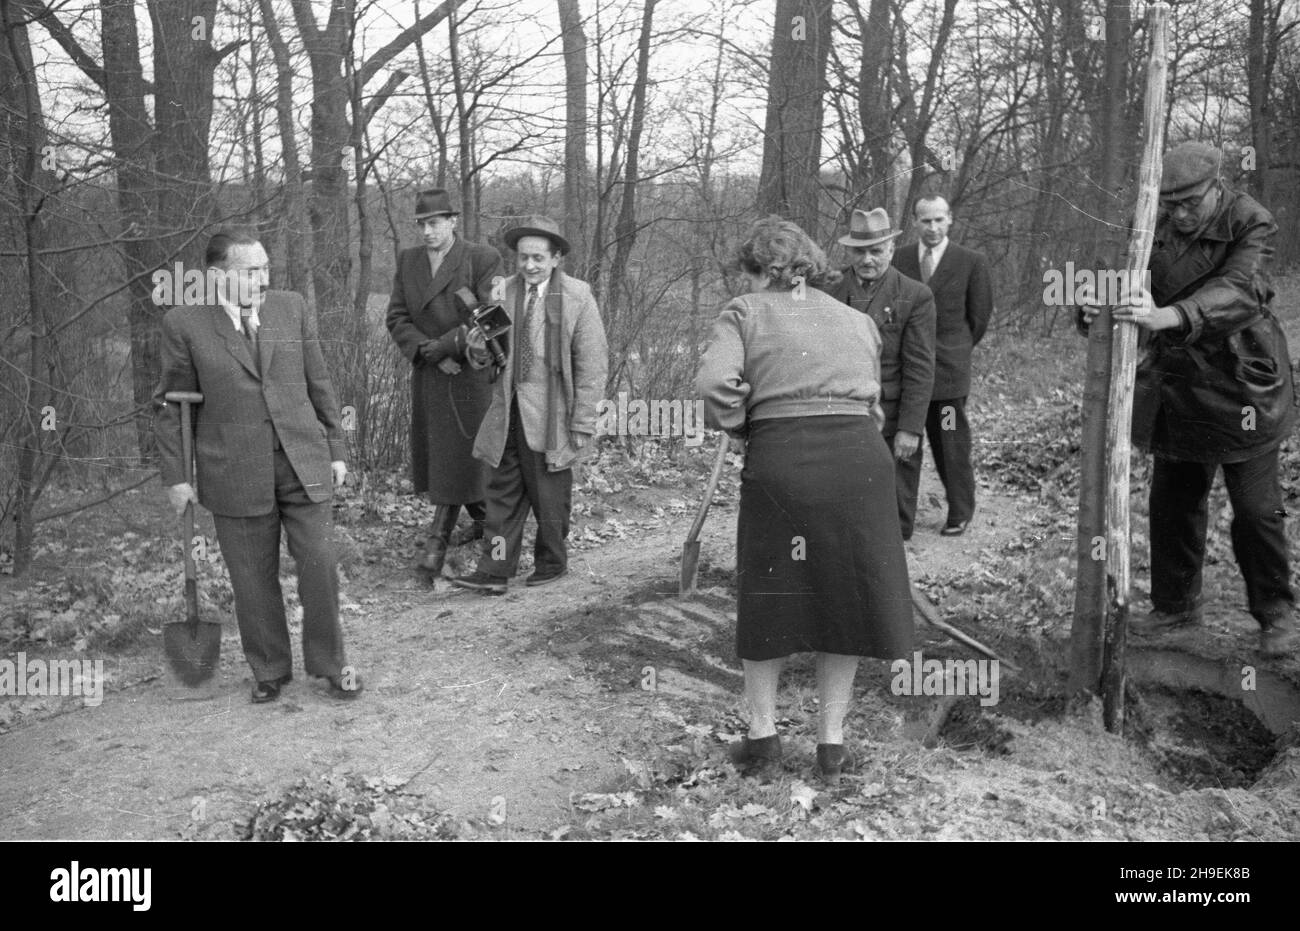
(1124, 356)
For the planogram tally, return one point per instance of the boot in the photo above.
(478, 513)
(435, 550)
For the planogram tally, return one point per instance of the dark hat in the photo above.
(1187, 166)
(434, 203)
(866, 228)
(536, 226)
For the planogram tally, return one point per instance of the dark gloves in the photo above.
(449, 345)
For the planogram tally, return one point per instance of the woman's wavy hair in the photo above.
(778, 248)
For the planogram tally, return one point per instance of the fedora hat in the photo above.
(434, 203)
(866, 228)
(536, 226)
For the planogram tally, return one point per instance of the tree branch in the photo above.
(404, 39)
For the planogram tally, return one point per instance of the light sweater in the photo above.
(774, 355)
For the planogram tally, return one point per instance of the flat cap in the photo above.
(1187, 166)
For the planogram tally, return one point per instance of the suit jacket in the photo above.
(576, 357)
(446, 410)
(903, 311)
(963, 297)
(246, 408)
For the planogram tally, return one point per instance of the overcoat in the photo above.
(446, 410)
(576, 356)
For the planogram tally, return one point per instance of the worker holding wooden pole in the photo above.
(1213, 390)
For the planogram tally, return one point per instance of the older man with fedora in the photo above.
(542, 416)
(903, 311)
(448, 397)
(1213, 391)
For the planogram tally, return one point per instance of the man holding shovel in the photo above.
(269, 449)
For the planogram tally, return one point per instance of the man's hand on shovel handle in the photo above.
(180, 495)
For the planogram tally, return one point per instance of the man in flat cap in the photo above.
(542, 417)
(903, 311)
(1214, 390)
(448, 397)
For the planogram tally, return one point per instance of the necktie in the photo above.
(250, 334)
(435, 262)
(927, 265)
(524, 335)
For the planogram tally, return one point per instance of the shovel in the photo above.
(691, 548)
(193, 647)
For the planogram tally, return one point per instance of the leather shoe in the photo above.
(269, 690)
(832, 759)
(1165, 622)
(542, 576)
(1279, 638)
(954, 530)
(482, 582)
(345, 687)
(754, 756)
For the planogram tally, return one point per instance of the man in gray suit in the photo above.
(269, 448)
(963, 297)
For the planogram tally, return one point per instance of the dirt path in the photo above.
(470, 699)
(518, 705)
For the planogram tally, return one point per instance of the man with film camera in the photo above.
(543, 413)
(1213, 390)
(429, 324)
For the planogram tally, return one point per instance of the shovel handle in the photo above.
(719, 460)
(186, 399)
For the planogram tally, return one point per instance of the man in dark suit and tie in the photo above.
(543, 413)
(963, 296)
(269, 449)
(448, 397)
(903, 311)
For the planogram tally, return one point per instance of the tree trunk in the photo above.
(789, 183)
(36, 187)
(435, 113)
(297, 247)
(575, 134)
(625, 227)
(1112, 208)
(184, 63)
(133, 161)
(1124, 361)
(469, 218)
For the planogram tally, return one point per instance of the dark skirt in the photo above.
(820, 564)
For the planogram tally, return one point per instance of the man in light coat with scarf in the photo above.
(542, 416)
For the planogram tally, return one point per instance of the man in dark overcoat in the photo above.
(963, 300)
(1213, 390)
(448, 397)
(903, 311)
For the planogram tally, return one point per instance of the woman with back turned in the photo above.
(820, 564)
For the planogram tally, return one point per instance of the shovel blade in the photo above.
(193, 650)
(690, 567)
